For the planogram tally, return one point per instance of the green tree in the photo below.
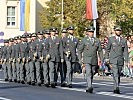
(110, 12)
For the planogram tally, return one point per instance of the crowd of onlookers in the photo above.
(104, 69)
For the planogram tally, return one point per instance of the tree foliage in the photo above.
(110, 12)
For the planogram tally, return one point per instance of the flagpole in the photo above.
(94, 24)
(62, 19)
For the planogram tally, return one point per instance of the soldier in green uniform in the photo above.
(23, 55)
(4, 60)
(14, 70)
(45, 66)
(17, 57)
(70, 44)
(38, 56)
(32, 50)
(116, 53)
(87, 52)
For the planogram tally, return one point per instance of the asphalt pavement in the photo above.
(103, 90)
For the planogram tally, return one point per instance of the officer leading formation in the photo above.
(39, 58)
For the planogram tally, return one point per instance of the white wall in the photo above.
(35, 7)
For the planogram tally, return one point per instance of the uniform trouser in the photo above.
(38, 71)
(52, 71)
(14, 71)
(18, 70)
(131, 71)
(22, 68)
(45, 73)
(32, 70)
(69, 73)
(62, 72)
(9, 67)
(27, 68)
(90, 70)
(4, 66)
(116, 69)
(57, 65)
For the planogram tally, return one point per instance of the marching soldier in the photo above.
(4, 60)
(45, 61)
(63, 63)
(116, 53)
(87, 50)
(70, 44)
(9, 59)
(54, 50)
(32, 50)
(38, 56)
(28, 59)
(17, 57)
(14, 70)
(23, 56)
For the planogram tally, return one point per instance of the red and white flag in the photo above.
(91, 9)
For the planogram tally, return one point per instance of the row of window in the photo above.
(11, 16)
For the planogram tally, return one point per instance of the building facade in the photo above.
(10, 17)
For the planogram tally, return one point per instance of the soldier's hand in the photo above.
(41, 58)
(14, 60)
(107, 61)
(4, 60)
(23, 59)
(47, 57)
(34, 58)
(18, 60)
(62, 60)
(35, 54)
(68, 53)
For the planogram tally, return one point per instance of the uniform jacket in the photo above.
(89, 51)
(116, 51)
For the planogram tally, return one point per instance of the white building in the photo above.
(10, 17)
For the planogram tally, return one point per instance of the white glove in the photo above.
(35, 54)
(62, 60)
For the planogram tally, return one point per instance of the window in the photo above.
(11, 16)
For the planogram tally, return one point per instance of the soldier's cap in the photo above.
(6, 41)
(11, 40)
(53, 29)
(64, 30)
(71, 28)
(117, 28)
(33, 34)
(47, 32)
(15, 38)
(18, 37)
(28, 35)
(23, 36)
(40, 33)
(57, 32)
(90, 29)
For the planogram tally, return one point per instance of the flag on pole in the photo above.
(24, 15)
(91, 9)
(27, 15)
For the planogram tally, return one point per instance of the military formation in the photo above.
(39, 58)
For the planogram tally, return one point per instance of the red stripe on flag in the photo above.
(89, 13)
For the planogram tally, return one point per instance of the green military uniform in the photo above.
(69, 45)
(117, 52)
(4, 60)
(87, 51)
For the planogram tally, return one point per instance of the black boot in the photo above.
(117, 91)
(90, 90)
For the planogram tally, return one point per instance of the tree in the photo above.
(110, 12)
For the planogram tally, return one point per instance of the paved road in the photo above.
(102, 91)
